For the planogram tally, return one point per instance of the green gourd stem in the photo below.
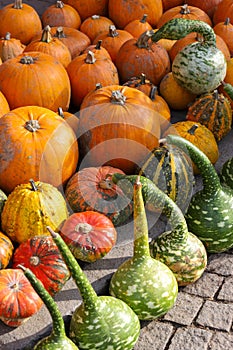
(141, 242)
(87, 292)
(58, 322)
(159, 200)
(210, 179)
(178, 28)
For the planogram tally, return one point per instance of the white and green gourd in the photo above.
(199, 67)
(226, 173)
(210, 212)
(177, 248)
(58, 339)
(99, 322)
(147, 285)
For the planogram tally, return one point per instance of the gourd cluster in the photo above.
(89, 141)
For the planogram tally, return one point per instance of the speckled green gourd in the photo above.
(210, 212)
(147, 285)
(226, 173)
(199, 67)
(58, 339)
(99, 322)
(178, 248)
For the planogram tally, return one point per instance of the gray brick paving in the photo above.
(190, 339)
(226, 291)
(221, 264)
(207, 286)
(221, 341)
(216, 315)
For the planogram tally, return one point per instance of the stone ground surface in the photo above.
(201, 318)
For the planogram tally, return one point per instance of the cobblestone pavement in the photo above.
(201, 318)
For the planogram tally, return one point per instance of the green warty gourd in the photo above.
(199, 67)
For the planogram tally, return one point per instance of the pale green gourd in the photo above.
(199, 67)
(178, 248)
(99, 322)
(58, 339)
(147, 285)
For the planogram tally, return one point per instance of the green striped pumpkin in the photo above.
(199, 67)
(226, 173)
(169, 168)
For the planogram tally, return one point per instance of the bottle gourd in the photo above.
(210, 212)
(99, 322)
(177, 248)
(147, 285)
(199, 67)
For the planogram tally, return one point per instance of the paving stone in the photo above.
(216, 315)
(206, 286)
(221, 341)
(225, 292)
(221, 264)
(154, 335)
(190, 339)
(185, 309)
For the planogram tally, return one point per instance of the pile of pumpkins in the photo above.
(87, 143)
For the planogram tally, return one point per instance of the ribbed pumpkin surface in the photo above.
(171, 170)
(214, 111)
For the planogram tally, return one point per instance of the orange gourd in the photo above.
(138, 26)
(95, 25)
(225, 31)
(89, 8)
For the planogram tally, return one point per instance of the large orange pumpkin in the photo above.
(122, 12)
(87, 8)
(225, 31)
(35, 143)
(21, 20)
(37, 79)
(4, 106)
(141, 55)
(207, 6)
(224, 9)
(118, 127)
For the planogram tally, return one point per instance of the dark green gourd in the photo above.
(199, 67)
(147, 285)
(58, 339)
(210, 213)
(178, 248)
(99, 322)
(226, 173)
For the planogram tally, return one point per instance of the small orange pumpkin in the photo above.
(138, 26)
(10, 47)
(225, 31)
(6, 250)
(95, 25)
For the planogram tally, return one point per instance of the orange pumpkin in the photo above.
(6, 250)
(97, 48)
(223, 10)
(207, 6)
(4, 106)
(60, 14)
(74, 39)
(225, 31)
(138, 26)
(113, 40)
(51, 46)
(125, 127)
(71, 119)
(95, 25)
(195, 37)
(86, 70)
(87, 8)
(141, 55)
(39, 144)
(37, 79)
(167, 4)
(122, 12)
(21, 20)
(10, 47)
(184, 11)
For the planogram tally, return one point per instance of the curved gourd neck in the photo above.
(178, 28)
(86, 290)
(159, 200)
(210, 179)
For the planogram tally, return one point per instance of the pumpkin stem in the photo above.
(32, 125)
(112, 31)
(175, 31)
(90, 58)
(143, 40)
(60, 112)
(144, 18)
(184, 10)
(27, 60)
(59, 4)
(33, 185)
(98, 45)
(98, 86)
(227, 21)
(60, 33)
(117, 97)
(106, 184)
(83, 227)
(18, 4)
(192, 130)
(46, 35)
(153, 92)
(7, 36)
(87, 292)
(95, 17)
(34, 260)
